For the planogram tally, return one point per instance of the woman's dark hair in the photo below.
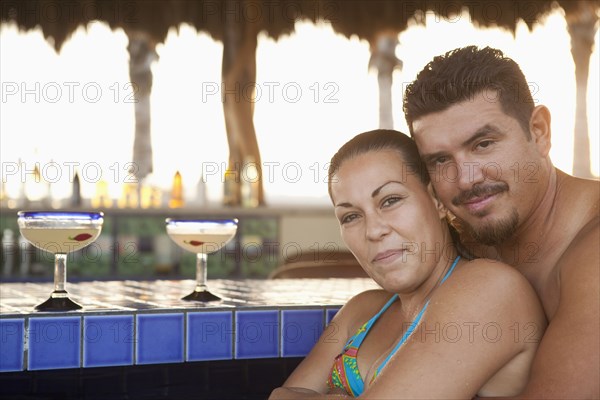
(380, 139)
(386, 139)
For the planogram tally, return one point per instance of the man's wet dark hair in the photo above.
(461, 74)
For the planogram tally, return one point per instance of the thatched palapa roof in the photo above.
(58, 19)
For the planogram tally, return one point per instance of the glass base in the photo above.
(204, 295)
(58, 301)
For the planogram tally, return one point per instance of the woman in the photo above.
(444, 326)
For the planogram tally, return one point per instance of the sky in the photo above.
(74, 110)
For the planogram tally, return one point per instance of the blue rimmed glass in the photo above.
(201, 237)
(60, 233)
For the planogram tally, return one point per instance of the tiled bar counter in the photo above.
(127, 324)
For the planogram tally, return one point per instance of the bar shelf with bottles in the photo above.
(133, 243)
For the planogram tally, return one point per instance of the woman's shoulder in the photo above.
(367, 302)
(489, 274)
(362, 307)
(482, 286)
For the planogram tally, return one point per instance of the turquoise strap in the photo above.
(357, 339)
(414, 324)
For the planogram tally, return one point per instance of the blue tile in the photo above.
(108, 340)
(11, 344)
(257, 334)
(209, 336)
(300, 331)
(159, 338)
(54, 342)
(329, 314)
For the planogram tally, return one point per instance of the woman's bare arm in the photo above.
(310, 377)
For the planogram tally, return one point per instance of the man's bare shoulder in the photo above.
(570, 348)
(584, 193)
(578, 271)
(590, 190)
(579, 209)
(582, 256)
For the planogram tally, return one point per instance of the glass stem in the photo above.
(201, 272)
(60, 273)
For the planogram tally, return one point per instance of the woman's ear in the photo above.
(442, 210)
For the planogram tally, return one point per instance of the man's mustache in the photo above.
(479, 190)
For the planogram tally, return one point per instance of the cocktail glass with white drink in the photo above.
(60, 233)
(201, 237)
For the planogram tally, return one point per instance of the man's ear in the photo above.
(442, 210)
(540, 129)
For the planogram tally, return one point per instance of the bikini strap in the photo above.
(358, 338)
(450, 270)
(413, 324)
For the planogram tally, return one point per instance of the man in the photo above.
(486, 145)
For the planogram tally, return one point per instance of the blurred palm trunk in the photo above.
(582, 29)
(141, 56)
(238, 93)
(384, 60)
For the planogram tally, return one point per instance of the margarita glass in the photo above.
(201, 237)
(60, 233)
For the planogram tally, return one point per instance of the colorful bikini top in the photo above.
(344, 372)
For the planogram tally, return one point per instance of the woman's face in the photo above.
(389, 219)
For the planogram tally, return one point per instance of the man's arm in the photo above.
(567, 363)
